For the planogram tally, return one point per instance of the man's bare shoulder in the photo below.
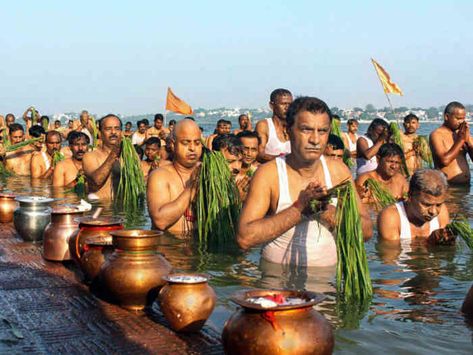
(399, 178)
(65, 164)
(388, 214)
(338, 170)
(162, 173)
(267, 170)
(364, 176)
(440, 132)
(262, 125)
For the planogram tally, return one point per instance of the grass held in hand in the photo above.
(57, 157)
(131, 188)
(424, 151)
(462, 228)
(381, 196)
(13, 147)
(217, 202)
(95, 132)
(353, 275)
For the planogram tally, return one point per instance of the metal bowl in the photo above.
(186, 278)
(135, 239)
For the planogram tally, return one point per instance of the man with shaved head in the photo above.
(423, 216)
(171, 188)
(102, 166)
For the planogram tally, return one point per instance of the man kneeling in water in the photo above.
(277, 210)
(424, 215)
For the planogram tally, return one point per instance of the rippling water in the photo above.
(418, 291)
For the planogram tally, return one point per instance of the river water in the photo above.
(418, 291)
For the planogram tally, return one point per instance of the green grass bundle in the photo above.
(80, 188)
(6, 140)
(381, 196)
(335, 128)
(45, 124)
(396, 138)
(13, 147)
(95, 132)
(353, 275)
(57, 157)
(217, 203)
(33, 114)
(424, 151)
(131, 188)
(462, 228)
(4, 172)
(250, 172)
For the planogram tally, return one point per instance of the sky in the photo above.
(120, 56)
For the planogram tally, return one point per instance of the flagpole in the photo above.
(385, 93)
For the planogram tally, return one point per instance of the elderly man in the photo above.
(422, 215)
(171, 188)
(451, 142)
(273, 131)
(67, 171)
(42, 166)
(102, 166)
(85, 125)
(367, 146)
(388, 173)
(277, 211)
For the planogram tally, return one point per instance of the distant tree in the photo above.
(432, 112)
(365, 116)
(390, 116)
(401, 109)
(359, 109)
(336, 111)
(370, 108)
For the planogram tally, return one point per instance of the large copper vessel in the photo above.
(283, 329)
(58, 231)
(133, 274)
(7, 207)
(187, 301)
(89, 227)
(32, 217)
(96, 250)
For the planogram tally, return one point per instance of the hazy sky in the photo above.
(117, 56)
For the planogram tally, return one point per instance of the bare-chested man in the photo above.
(102, 166)
(250, 141)
(153, 159)
(171, 188)
(274, 139)
(223, 127)
(422, 215)
(86, 125)
(410, 143)
(42, 166)
(277, 211)
(388, 173)
(19, 161)
(158, 130)
(244, 123)
(450, 143)
(67, 171)
(128, 132)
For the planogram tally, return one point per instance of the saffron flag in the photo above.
(388, 86)
(175, 104)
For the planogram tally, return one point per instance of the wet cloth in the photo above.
(405, 225)
(274, 146)
(309, 243)
(47, 161)
(365, 165)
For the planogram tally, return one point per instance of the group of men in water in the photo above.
(285, 163)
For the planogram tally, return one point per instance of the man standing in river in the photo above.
(102, 166)
(274, 140)
(277, 210)
(451, 142)
(67, 171)
(171, 188)
(42, 165)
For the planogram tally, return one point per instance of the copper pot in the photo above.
(187, 301)
(89, 227)
(290, 329)
(58, 231)
(133, 274)
(96, 250)
(7, 207)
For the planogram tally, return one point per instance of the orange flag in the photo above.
(175, 104)
(388, 86)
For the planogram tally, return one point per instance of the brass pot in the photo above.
(96, 251)
(58, 231)
(89, 227)
(187, 304)
(133, 274)
(7, 207)
(290, 329)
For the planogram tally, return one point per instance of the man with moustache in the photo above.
(423, 215)
(102, 166)
(245, 124)
(250, 141)
(451, 142)
(18, 161)
(223, 127)
(138, 138)
(410, 143)
(67, 171)
(388, 173)
(277, 211)
(42, 166)
(274, 140)
(171, 188)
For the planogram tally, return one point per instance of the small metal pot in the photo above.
(7, 207)
(187, 301)
(57, 233)
(32, 217)
(96, 251)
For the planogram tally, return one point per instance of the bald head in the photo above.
(186, 127)
(429, 181)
